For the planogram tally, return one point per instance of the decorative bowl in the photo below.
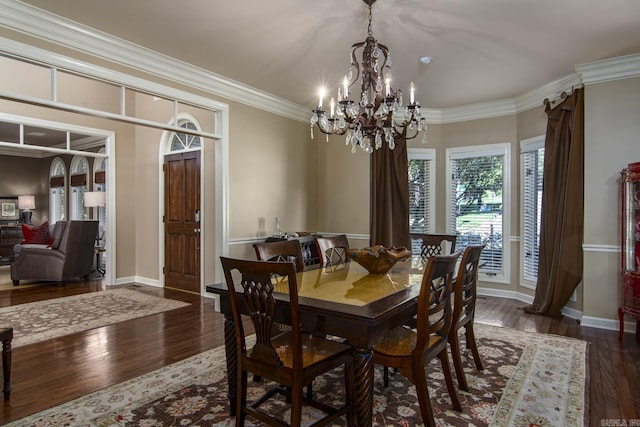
(378, 259)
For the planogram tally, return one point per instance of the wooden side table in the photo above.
(6, 335)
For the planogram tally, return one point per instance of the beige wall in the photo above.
(612, 133)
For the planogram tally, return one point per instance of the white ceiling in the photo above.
(483, 50)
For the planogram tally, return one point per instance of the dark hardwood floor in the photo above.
(55, 371)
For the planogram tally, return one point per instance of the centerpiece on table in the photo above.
(378, 259)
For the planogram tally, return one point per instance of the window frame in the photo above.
(526, 146)
(427, 154)
(503, 149)
(77, 209)
(53, 194)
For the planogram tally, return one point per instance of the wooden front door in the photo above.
(182, 221)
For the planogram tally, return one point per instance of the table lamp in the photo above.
(26, 203)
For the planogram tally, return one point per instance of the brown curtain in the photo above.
(390, 196)
(562, 222)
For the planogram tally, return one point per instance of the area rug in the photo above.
(42, 320)
(529, 380)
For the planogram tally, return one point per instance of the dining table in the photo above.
(344, 301)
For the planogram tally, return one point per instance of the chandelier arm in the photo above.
(371, 120)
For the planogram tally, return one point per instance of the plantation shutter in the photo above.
(421, 183)
(476, 204)
(532, 167)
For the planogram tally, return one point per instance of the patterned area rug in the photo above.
(42, 320)
(529, 379)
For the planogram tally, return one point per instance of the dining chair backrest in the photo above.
(255, 279)
(427, 245)
(465, 286)
(464, 308)
(291, 359)
(434, 302)
(333, 249)
(281, 251)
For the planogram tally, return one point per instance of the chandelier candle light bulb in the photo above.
(379, 114)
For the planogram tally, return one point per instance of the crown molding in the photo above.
(482, 110)
(534, 98)
(38, 23)
(622, 67)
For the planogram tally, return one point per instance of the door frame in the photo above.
(109, 137)
(217, 226)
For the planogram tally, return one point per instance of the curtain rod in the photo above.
(563, 95)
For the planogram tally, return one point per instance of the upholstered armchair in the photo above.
(71, 257)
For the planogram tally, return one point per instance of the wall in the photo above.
(612, 132)
(25, 175)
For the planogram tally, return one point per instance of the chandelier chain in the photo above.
(369, 30)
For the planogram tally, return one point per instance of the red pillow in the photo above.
(36, 235)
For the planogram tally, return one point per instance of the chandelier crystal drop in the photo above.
(378, 114)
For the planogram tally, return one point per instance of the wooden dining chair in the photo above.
(432, 244)
(409, 350)
(333, 249)
(291, 359)
(464, 308)
(280, 251)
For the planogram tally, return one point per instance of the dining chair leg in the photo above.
(446, 370)
(471, 343)
(385, 376)
(296, 404)
(457, 361)
(241, 399)
(420, 383)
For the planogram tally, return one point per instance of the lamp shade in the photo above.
(94, 199)
(26, 202)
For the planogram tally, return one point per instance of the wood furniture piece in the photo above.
(332, 249)
(308, 246)
(6, 335)
(280, 250)
(427, 245)
(410, 350)
(292, 359)
(630, 222)
(344, 301)
(464, 309)
(10, 235)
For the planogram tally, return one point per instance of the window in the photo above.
(57, 185)
(183, 141)
(478, 203)
(421, 190)
(79, 172)
(532, 164)
(100, 184)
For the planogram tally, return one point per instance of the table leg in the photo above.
(363, 367)
(6, 367)
(232, 362)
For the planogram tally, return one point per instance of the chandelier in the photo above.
(379, 113)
